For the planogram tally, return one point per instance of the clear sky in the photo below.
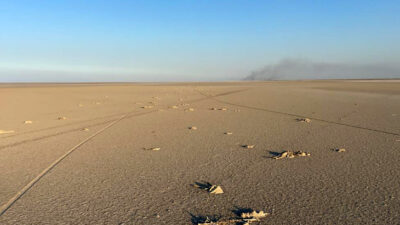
(188, 40)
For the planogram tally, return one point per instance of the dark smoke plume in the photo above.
(294, 69)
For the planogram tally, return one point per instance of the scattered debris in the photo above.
(289, 154)
(189, 110)
(62, 118)
(85, 129)
(6, 131)
(254, 215)
(223, 109)
(245, 218)
(307, 120)
(147, 107)
(209, 221)
(28, 122)
(228, 133)
(213, 189)
(339, 149)
(248, 146)
(192, 128)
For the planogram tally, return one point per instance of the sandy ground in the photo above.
(112, 177)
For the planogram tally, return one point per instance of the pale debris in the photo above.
(307, 120)
(62, 118)
(340, 150)
(254, 214)
(245, 219)
(85, 129)
(213, 189)
(6, 131)
(28, 122)
(248, 146)
(228, 133)
(192, 128)
(289, 154)
(189, 110)
(153, 149)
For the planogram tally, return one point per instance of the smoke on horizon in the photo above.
(295, 69)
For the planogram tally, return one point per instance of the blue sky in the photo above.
(188, 40)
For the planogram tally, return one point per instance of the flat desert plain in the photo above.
(151, 153)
